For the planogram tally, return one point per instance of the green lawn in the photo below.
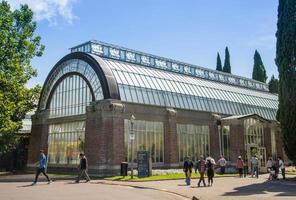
(161, 177)
(291, 173)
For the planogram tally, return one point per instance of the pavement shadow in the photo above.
(183, 185)
(282, 188)
(32, 185)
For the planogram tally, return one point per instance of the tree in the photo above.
(227, 67)
(219, 63)
(286, 62)
(18, 47)
(259, 72)
(273, 85)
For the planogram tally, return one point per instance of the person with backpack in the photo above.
(41, 167)
(201, 167)
(210, 171)
(187, 168)
(83, 166)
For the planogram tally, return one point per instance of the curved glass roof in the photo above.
(145, 85)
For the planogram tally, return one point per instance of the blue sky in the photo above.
(190, 30)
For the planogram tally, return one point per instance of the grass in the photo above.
(161, 177)
(291, 173)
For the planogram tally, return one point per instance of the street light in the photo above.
(132, 138)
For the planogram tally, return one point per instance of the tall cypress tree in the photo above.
(286, 62)
(219, 63)
(273, 85)
(259, 72)
(227, 67)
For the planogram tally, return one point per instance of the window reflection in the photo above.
(149, 136)
(254, 132)
(225, 141)
(65, 142)
(193, 141)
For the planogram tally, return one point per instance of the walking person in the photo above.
(276, 169)
(210, 171)
(187, 168)
(240, 166)
(222, 163)
(41, 167)
(269, 166)
(83, 166)
(255, 163)
(201, 167)
(282, 167)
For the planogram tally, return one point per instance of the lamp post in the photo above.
(132, 138)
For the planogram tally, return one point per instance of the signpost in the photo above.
(132, 138)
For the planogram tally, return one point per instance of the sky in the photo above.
(192, 31)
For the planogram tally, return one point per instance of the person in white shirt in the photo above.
(269, 166)
(254, 164)
(222, 163)
(282, 167)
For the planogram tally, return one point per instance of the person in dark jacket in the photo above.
(187, 168)
(83, 165)
(210, 171)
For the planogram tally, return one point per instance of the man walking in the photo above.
(255, 163)
(82, 168)
(222, 163)
(187, 168)
(282, 167)
(41, 167)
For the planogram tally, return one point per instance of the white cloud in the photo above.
(48, 9)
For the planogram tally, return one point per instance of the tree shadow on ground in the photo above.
(281, 188)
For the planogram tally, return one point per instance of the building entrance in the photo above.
(260, 152)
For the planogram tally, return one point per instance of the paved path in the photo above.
(66, 190)
(224, 188)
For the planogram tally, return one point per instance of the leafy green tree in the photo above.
(259, 72)
(273, 85)
(227, 67)
(286, 62)
(18, 46)
(219, 63)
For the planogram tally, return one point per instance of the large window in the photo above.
(225, 141)
(71, 97)
(65, 142)
(148, 136)
(254, 132)
(193, 141)
(273, 144)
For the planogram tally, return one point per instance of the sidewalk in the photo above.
(223, 188)
(29, 177)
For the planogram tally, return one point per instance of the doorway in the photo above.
(260, 152)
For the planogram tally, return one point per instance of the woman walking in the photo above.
(240, 166)
(201, 167)
(210, 171)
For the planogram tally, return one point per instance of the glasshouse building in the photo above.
(100, 97)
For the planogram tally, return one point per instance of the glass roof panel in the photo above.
(171, 89)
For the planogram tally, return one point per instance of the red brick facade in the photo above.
(104, 133)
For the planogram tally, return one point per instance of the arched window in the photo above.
(72, 66)
(70, 97)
